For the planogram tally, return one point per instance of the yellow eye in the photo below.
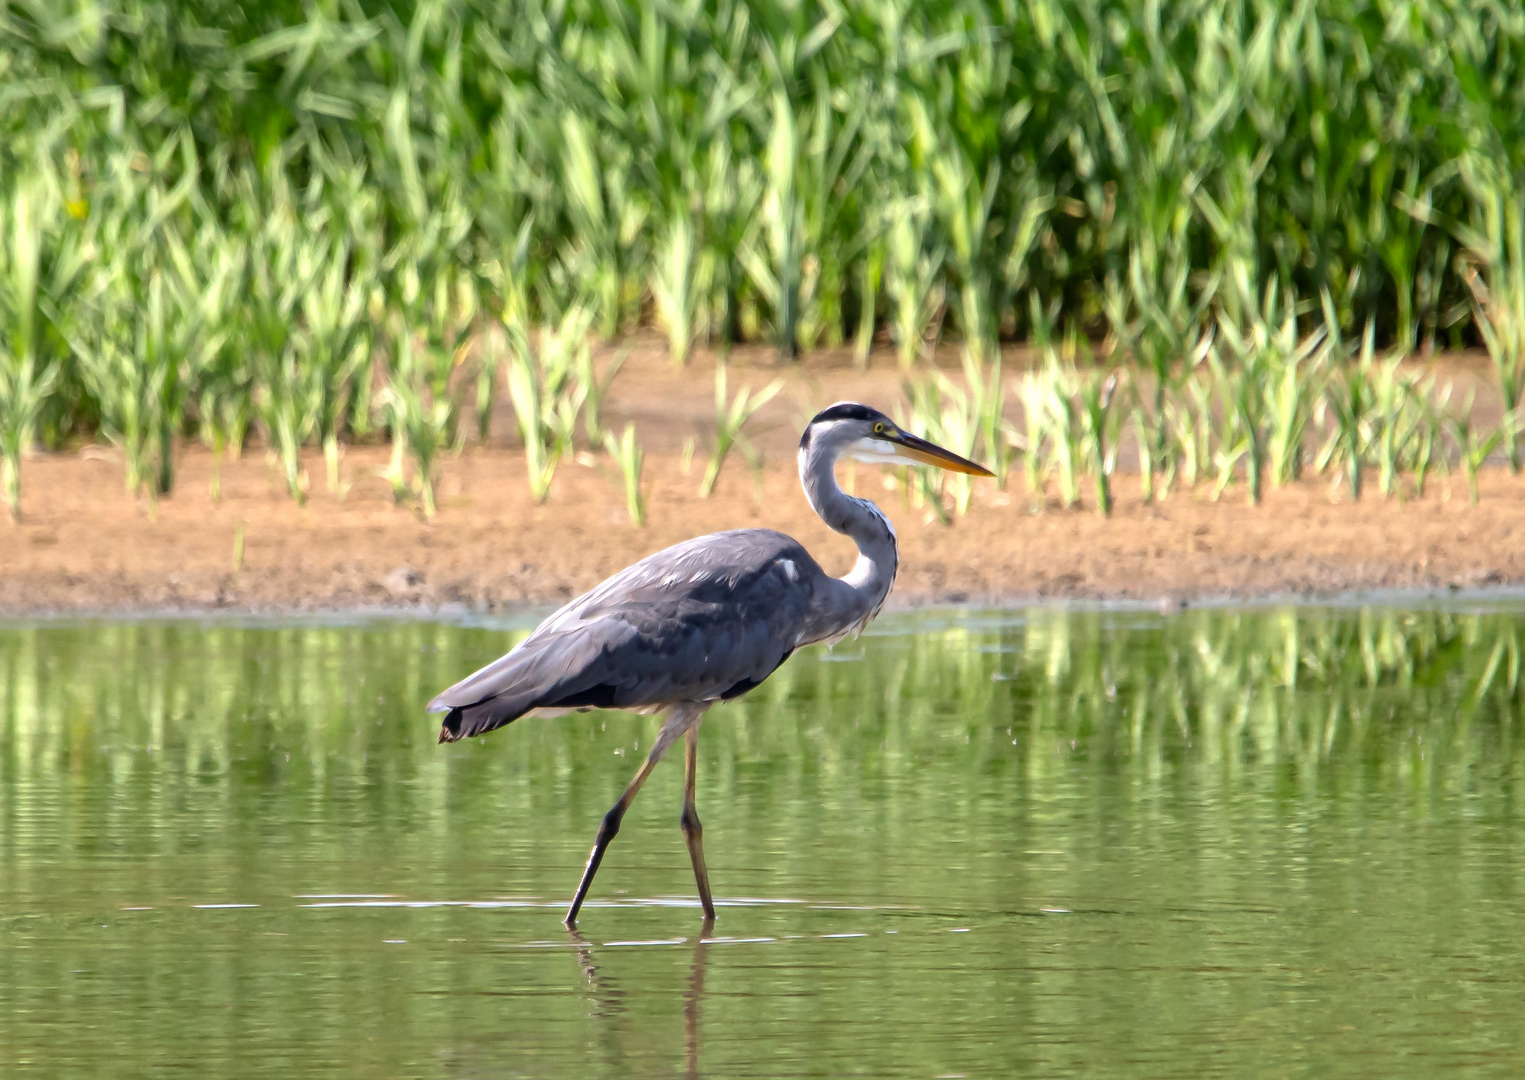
(879, 429)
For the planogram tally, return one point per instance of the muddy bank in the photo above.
(85, 546)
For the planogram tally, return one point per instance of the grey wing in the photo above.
(705, 620)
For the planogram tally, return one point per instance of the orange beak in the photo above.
(912, 446)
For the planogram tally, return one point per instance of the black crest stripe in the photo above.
(846, 410)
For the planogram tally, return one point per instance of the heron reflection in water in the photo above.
(609, 999)
(703, 621)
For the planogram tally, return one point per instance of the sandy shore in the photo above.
(84, 545)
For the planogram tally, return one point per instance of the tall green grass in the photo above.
(1267, 406)
(299, 218)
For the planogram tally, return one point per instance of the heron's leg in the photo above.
(678, 721)
(607, 830)
(693, 832)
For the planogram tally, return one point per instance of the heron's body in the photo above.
(700, 622)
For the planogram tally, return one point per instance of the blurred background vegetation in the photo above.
(301, 221)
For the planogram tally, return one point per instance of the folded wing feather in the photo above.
(702, 621)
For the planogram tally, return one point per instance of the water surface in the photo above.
(1281, 842)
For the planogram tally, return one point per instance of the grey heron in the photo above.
(703, 621)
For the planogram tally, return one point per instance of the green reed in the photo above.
(1473, 444)
(630, 458)
(731, 416)
(547, 394)
(27, 371)
(1074, 414)
(784, 172)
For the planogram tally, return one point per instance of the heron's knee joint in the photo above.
(690, 822)
(609, 828)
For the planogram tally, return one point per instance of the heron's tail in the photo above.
(465, 721)
(450, 727)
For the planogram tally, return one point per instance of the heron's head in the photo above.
(866, 434)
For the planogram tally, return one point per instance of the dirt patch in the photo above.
(85, 545)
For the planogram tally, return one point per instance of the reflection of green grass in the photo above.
(1337, 688)
(1226, 799)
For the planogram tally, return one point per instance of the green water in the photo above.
(1224, 843)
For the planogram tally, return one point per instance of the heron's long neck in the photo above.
(858, 596)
